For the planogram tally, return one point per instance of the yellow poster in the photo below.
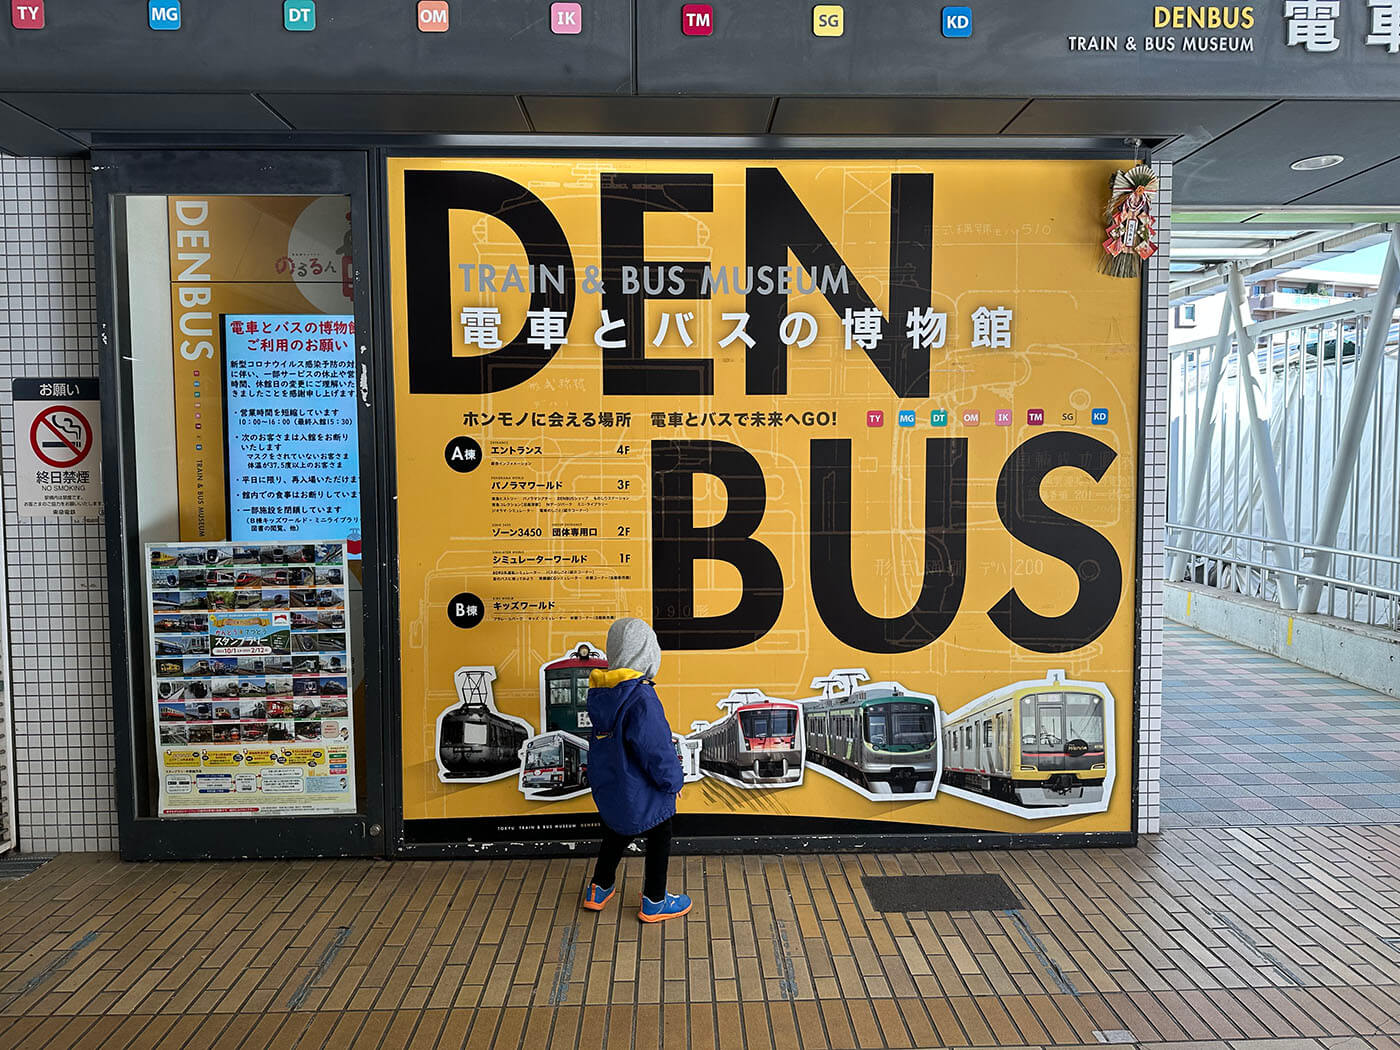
(858, 437)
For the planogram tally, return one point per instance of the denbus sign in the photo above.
(1211, 17)
(781, 226)
(700, 390)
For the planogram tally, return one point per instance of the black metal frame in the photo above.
(331, 164)
(847, 836)
(116, 175)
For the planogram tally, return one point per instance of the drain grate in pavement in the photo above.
(342, 934)
(782, 959)
(939, 893)
(1041, 953)
(568, 947)
(1270, 959)
(61, 961)
(24, 864)
(1114, 1035)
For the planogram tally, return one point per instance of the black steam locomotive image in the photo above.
(879, 738)
(475, 741)
(759, 743)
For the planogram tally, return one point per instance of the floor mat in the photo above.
(17, 866)
(940, 893)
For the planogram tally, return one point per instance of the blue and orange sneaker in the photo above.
(595, 897)
(673, 907)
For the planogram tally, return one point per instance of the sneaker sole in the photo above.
(665, 915)
(598, 905)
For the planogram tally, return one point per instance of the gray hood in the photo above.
(632, 643)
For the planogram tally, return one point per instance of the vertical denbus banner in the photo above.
(232, 255)
(858, 437)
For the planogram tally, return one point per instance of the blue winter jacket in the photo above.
(632, 764)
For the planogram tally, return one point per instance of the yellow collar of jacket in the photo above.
(601, 679)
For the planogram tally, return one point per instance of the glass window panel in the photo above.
(245, 425)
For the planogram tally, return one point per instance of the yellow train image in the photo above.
(1044, 744)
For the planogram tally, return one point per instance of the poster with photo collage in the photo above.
(252, 682)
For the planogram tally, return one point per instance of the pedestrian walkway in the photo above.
(1267, 917)
(1198, 937)
(1250, 739)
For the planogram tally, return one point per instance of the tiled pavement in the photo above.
(1250, 739)
(1212, 938)
(1260, 937)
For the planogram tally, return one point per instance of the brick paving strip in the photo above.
(1257, 938)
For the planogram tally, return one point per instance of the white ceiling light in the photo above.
(1325, 160)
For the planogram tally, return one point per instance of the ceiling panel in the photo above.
(631, 115)
(1380, 186)
(1250, 165)
(894, 116)
(431, 114)
(24, 136)
(1187, 123)
(81, 111)
(491, 46)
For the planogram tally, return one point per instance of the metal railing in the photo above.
(1284, 461)
(1240, 562)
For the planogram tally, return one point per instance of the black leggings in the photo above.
(658, 858)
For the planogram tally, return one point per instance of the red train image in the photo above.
(759, 744)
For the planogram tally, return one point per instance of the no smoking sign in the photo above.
(61, 436)
(58, 469)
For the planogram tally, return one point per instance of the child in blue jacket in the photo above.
(633, 769)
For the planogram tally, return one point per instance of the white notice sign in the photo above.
(58, 460)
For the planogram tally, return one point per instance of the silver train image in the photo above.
(878, 736)
(759, 743)
(1032, 744)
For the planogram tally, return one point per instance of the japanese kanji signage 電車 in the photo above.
(858, 437)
